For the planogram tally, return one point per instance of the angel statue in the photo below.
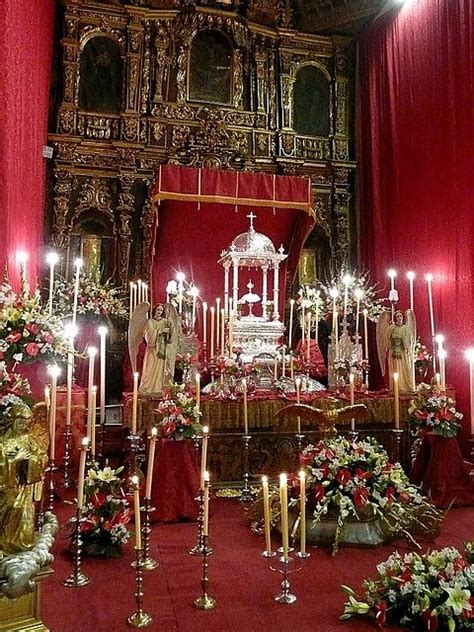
(398, 339)
(161, 333)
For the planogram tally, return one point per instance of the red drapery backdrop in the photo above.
(26, 38)
(201, 211)
(416, 151)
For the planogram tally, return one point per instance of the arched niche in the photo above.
(210, 68)
(311, 102)
(100, 76)
(93, 240)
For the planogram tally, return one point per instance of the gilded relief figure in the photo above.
(397, 341)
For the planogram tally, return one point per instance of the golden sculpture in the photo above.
(326, 419)
(22, 462)
(397, 340)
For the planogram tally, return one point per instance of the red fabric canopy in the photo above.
(202, 210)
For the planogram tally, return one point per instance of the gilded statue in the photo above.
(22, 463)
(161, 334)
(397, 341)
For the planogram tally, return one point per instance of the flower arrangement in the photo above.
(422, 355)
(177, 414)
(434, 411)
(106, 512)
(355, 480)
(94, 299)
(28, 333)
(227, 366)
(184, 361)
(434, 591)
(343, 367)
(15, 394)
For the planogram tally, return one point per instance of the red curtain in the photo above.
(26, 39)
(416, 144)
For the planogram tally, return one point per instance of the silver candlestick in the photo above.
(246, 495)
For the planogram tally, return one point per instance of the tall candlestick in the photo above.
(302, 512)
(396, 397)
(102, 333)
(135, 403)
(218, 325)
(292, 365)
(92, 352)
(246, 420)
(205, 528)
(93, 418)
(284, 514)
(347, 280)
(205, 439)
(352, 397)
(52, 258)
(198, 393)
(78, 265)
(69, 378)
(212, 332)
(298, 396)
(54, 372)
(222, 331)
(151, 460)
(82, 472)
(429, 279)
(411, 278)
(308, 339)
(469, 353)
(334, 294)
(316, 324)
(194, 293)
(266, 514)
(303, 323)
(231, 330)
(283, 361)
(136, 507)
(204, 323)
(366, 335)
(290, 328)
(358, 293)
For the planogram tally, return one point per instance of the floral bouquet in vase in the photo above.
(177, 414)
(106, 512)
(433, 411)
(422, 361)
(434, 591)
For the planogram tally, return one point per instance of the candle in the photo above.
(392, 274)
(205, 530)
(411, 278)
(47, 399)
(231, 330)
(54, 372)
(212, 332)
(139, 286)
(78, 265)
(134, 403)
(180, 278)
(222, 331)
(437, 379)
(21, 259)
(292, 366)
(396, 400)
(52, 259)
(266, 514)
(334, 294)
(302, 513)
(151, 460)
(135, 295)
(358, 293)
(205, 439)
(194, 293)
(442, 367)
(298, 387)
(351, 397)
(347, 280)
(204, 323)
(218, 325)
(198, 393)
(92, 352)
(275, 368)
(130, 301)
(283, 361)
(102, 333)
(316, 331)
(82, 471)
(246, 420)
(366, 335)
(145, 292)
(308, 339)
(92, 418)
(429, 279)
(469, 353)
(284, 514)
(290, 328)
(136, 505)
(69, 378)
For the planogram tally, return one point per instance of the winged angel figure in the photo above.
(161, 333)
(397, 340)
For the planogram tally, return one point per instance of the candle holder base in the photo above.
(303, 555)
(205, 602)
(139, 620)
(76, 580)
(268, 553)
(146, 564)
(285, 596)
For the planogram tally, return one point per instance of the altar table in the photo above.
(176, 478)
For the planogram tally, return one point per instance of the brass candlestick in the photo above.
(198, 547)
(140, 618)
(246, 495)
(205, 602)
(67, 480)
(147, 563)
(77, 577)
(51, 469)
(135, 457)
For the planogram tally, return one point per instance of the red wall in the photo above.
(26, 37)
(416, 153)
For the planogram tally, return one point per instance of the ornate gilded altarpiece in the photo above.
(222, 84)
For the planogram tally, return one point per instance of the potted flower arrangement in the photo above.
(177, 414)
(434, 591)
(95, 299)
(433, 411)
(106, 512)
(354, 482)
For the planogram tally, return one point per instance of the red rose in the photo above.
(33, 328)
(380, 613)
(32, 349)
(343, 476)
(15, 336)
(430, 621)
(48, 338)
(319, 492)
(361, 496)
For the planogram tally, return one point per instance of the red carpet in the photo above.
(240, 580)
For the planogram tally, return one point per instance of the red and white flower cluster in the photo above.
(435, 412)
(177, 413)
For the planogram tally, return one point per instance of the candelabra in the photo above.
(67, 480)
(205, 602)
(285, 596)
(51, 469)
(246, 495)
(140, 618)
(136, 454)
(77, 577)
(198, 547)
(147, 563)
(398, 432)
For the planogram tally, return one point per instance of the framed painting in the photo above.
(307, 268)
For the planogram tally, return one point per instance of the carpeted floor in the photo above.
(241, 581)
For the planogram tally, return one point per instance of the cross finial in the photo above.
(251, 217)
